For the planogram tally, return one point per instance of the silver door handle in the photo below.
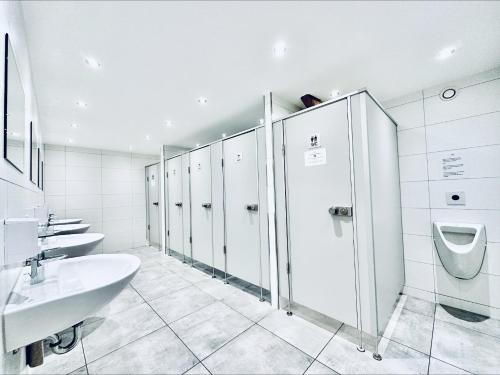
(340, 211)
(206, 205)
(252, 207)
(155, 203)
(178, 204)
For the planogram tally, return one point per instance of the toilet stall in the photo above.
(152, 204)
(338, 213)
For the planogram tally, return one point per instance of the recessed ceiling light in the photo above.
(446, 53)
(223, 135)
(168, 123)
(261, 121)
(202, 100)
(197, 145)
(279, 49)
(334, 93)
(81, 104)
(74, 126)
(93, 63)
(70, 140)
(148, 137)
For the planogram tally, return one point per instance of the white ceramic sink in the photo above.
(65, 221)
(70, 228)
(72, 291)
(73, 245)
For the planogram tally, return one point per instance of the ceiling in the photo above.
(159, 57)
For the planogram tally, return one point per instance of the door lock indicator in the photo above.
(206, 205)
(340, 211)
(178, 204)
(252, 207)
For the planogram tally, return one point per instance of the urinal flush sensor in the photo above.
(455, 198)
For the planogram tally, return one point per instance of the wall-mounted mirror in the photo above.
(34, 159)
(14, 122)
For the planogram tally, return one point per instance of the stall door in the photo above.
(175, 205)
(320, 238)
(201, 206)
(153, 190)
(242, 207)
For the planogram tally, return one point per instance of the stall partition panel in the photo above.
(201, 206)
(319, 209)
(186, 205)
(264, 234)
(175, 204)
(217, 205)
(153, 208)
(242, 208)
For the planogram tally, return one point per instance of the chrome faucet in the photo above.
(51, 217)
(37, 275)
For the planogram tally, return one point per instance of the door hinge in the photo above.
(147, 179)
(222, 162)
(224, 249)
(189, 169)
(167, 174)
(288, 268)
(190, 239)
(283, 149)
(168, 232)
(149, 227)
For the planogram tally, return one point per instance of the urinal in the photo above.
(461, 248)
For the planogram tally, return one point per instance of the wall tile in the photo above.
(110, 187)
(417, 221)
(83, 174)
(415, 194)
(413, 168)
(491, 262)
(419, 275)
(115, 161)
(479, 193)
(418, 248)
(88, 215)
(470, 132)
(56, 188)
(411, 141)
(54, 158)
(483, 289)
(55, 173)
(117, 200)
(408, 116)
(478, 162)
(470, 101)
(114, 174)
(83, 201)
(83, 187)
(116, 213)
(81, 159)
(56, 202)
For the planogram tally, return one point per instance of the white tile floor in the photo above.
(175, 319)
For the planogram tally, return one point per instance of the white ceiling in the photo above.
(159, 57)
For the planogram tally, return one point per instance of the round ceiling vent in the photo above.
(448, 93)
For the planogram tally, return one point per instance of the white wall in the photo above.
(430, 129)
(18, 195)
(104, 188)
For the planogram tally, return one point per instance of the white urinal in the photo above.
(461, 248)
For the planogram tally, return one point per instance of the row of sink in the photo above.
(62, 285)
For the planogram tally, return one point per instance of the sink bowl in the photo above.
(70, 229)
(65, 221)
(72, 291)
(73, 245)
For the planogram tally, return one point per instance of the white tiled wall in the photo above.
(104, 188)
(429, 129)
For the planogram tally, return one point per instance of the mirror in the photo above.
(34, 163)
(14, 122)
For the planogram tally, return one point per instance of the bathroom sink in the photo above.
(73, 290)
(73, 245)
(70, 228)
(65, 221)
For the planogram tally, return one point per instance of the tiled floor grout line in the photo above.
(322, 349)
(176, 335)
(432, 338)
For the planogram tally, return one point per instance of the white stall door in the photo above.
(201, 206)
(242, 208)
(153, 199)
(320, 242)
(175, 205)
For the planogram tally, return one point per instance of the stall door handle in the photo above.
(155, 203)
(340, 211)
(178, 204)
(206, 205)
(252, 207)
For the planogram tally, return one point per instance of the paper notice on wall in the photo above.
(316, 156)
(453, 165)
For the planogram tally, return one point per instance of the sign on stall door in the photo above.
(316, 156)
(239, 156)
